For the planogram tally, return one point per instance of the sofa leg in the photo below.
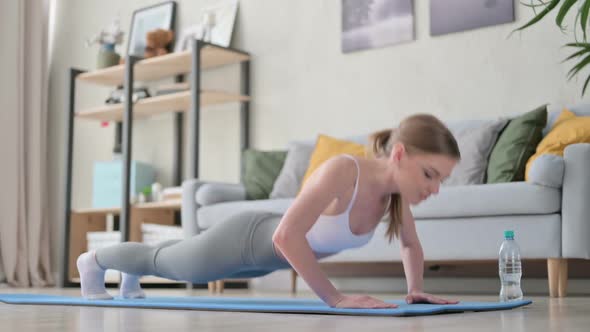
(293, 281)
(220, 286)
(557, 273)
(211, 285)
(562, 291)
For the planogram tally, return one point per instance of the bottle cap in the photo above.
(509, 234)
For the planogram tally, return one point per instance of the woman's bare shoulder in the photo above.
(338, 172)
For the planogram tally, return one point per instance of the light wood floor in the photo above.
(545, 314)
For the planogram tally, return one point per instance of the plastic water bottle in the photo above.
(510, 269)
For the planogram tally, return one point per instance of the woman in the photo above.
(339, 207)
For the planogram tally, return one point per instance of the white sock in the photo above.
(91, 277)
(130, 287)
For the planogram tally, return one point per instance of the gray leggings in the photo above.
(239, 247)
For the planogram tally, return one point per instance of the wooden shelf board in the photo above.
(174, 102)
(173, 204)
(111, 210)
(164, 66)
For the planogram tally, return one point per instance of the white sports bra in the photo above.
(331, 233)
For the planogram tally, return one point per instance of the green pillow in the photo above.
(515, 145)
(261, 168)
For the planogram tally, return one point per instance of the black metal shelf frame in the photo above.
(127, 128)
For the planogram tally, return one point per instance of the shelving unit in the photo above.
(201, 56)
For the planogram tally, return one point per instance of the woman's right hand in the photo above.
(362, 301)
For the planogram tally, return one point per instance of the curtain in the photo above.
(24, 223)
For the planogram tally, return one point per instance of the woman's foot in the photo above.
(130, 287)
(92, 277)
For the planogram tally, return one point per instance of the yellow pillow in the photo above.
(567, 129)
(327, 147)
(563, 116)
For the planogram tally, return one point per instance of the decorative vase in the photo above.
(107, 57)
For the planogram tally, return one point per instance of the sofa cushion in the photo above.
(207, 216)
(515, 145)
(288, 182)
(261, 169)
(490, 200)
(456, 239)
(475, 144)
(511, 198)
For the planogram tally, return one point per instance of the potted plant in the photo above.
(107, 39)
(581, 46)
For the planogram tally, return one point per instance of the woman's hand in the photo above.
(419, 297)
(362, 301)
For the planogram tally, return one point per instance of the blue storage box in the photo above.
(107, 183)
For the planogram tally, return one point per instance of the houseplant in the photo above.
(580, 44)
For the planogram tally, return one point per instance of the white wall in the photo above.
(302, 83)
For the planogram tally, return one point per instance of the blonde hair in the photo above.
(420, 133)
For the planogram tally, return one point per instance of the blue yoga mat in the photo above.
(305, 306)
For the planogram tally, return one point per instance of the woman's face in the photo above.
(419, 175)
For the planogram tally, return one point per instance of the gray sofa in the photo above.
(461, 223)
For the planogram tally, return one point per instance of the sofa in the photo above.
(462, 223)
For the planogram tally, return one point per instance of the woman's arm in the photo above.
(413, 261)
(330, 181)
(411, 252)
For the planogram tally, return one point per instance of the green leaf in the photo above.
(577, 54)
(575, 24)
(583, 45)
(565, 7)
(542, 14)
(578, 67)
(585, 85)
(584, 20)
(533, 6)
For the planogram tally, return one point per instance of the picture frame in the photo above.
(225, 13)
(183, 41)
(158, 16)
(450, 16)
(220, 33)
(376, 24)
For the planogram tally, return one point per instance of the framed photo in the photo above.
(368, 24)
(216, 26)
(159, 16)
(224, 13)
(448, 16)
(183, 41)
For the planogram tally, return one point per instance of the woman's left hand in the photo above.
(419, 297)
